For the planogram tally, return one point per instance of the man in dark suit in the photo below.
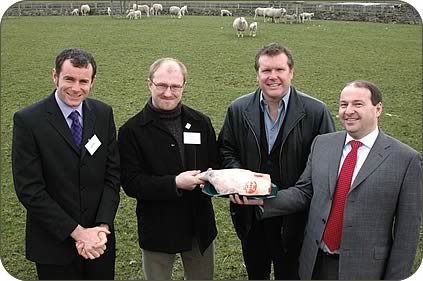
(65, 163)
(372, 231)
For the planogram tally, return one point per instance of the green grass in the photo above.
(221, 67)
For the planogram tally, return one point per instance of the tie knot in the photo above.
(74, 115)
(355, 144)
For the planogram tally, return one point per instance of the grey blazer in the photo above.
(382, 212)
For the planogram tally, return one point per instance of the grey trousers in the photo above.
(158, 266)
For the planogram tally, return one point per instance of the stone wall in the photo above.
(387, 12)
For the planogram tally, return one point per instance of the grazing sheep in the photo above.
(289, 18)
(85, 10)
(109, 11)
(273, 13)
(184, 10)
(175, 11)
(253, 29)
(240, 25)
(225, 13)
(156, 9)
(75, 12)
(137, 14)
(258, 12)
(145, 9)
(131, 14)
(306, 16)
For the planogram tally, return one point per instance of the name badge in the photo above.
(192, 138)
(93, 144)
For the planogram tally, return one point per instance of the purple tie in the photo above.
(76, 128)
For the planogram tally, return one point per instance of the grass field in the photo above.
(221, 67)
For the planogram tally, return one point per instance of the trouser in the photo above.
(102, 268)
(263, 247)
(158, 266)
(326, 266)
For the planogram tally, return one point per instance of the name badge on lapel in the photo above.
(93, 144)
(192, 138)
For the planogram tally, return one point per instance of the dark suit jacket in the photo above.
(59, 185)
(168, 219)
(382, 212)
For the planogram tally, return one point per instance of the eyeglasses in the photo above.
(163, 87)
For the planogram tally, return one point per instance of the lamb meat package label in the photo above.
(240, 181)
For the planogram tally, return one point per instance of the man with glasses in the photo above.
(163, 148)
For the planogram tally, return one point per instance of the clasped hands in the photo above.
(91, 242)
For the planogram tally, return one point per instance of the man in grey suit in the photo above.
(381, 216)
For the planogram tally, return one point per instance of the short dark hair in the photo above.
(375, 93)
(271, 50)
(78, 57)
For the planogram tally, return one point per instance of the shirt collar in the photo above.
(285, 98)
(368, 140)
(66, 109)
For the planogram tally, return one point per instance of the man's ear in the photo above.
(55, 76)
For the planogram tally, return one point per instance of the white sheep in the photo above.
(240, 25)
(275, 14)
(109, 11)
(258, 12)
(175, 11)
(184, 10)
(75, 12)
(225, 13)
(253, 29)
(306, 16)
(156, 9)
(130, 14)
(137, 14)
(85, 10)
(289, 18)
(145, 9)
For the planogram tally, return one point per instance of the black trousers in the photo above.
(326, 266)
(102, 268)
(263, 247)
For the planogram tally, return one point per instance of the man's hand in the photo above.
(188, 180)
(90, 242)
(245, 201)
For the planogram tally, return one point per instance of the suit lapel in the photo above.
(56, 119)
(334, 161)
(376, 156)
(88, 126)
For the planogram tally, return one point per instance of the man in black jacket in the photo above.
(270, 131)
(163, 148)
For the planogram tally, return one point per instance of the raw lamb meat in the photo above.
(241, 181)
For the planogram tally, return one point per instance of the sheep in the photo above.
(85, 10)
(258, 12)
(145, 9)
(274, 14)
(175, 11)
(157, 9)
(137, 14)
(253, 29)
(240, 25)
(306, 16)
(225, 13)
(289, 18)
(109, 11)
(184, 10)
(131, 14)
(75, 12)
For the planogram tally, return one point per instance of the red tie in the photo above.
(333, 232)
